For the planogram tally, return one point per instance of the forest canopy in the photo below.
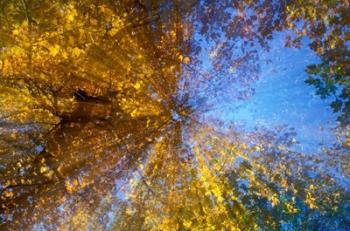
(109, 116)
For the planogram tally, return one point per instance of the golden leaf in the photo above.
(53, 51)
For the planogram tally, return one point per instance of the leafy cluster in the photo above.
(103, 120)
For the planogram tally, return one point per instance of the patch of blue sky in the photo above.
(282, 98)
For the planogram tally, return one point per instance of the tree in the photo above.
(103, 114)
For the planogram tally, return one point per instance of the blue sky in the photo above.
(282, 98)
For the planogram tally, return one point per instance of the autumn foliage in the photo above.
(103, 123)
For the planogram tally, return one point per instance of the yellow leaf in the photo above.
(75, 182)
(71, 13)
(186, 60)
(53, 51)
(15, 32)
(187, 224)
(137, 85)
(76, 52)
(274, 200)
(64, 54)
(43, 169)
(7, 194)
(113, 31)
(69, 186)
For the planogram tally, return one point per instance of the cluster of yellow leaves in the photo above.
(193, 194)
(310, 200)
(45, 170)
(274, 200)
(208, 179)
(291, 208)
(71, 13)
(117, 25)
(72, 185)
(80, 219)
(20, 105)
(7, 194)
